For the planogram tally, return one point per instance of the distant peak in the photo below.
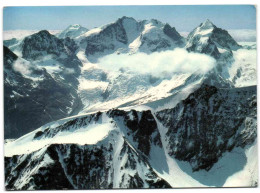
(155, 21)
(44, 32)
(207, 24)
(126, 18)
(75, 26)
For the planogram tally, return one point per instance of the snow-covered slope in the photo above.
(47, 69)
(243, 72)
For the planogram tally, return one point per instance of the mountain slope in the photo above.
(115, 158)
(209, 122)
(48, 71)
(124, 146)
(41, 99)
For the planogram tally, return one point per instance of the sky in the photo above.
(183, 18)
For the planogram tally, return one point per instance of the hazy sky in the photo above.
(184, 18)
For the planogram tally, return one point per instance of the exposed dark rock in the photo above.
(210, 122)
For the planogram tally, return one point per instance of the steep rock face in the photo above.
(48, 72)
(142, 128)
(211, 40)
(208, 123)
(108, 39)
(41, 44)
(41, 99)
(9, 57)
(117, 160)
(72, 31)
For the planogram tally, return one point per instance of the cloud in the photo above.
(20, 34)
(240, 35)
(69, 71)
(243, 35)
(22, 66)
(160, 63)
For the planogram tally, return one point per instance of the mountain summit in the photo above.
(211, 40)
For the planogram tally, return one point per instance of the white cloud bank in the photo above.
(158, 63)
(20, 34)
(243, 35)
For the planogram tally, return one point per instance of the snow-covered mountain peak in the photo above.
(205, 29)
(73, 31)
(207, 25)
(74, 26)
(209, 39)
(155, 22)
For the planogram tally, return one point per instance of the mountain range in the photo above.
(101, 127)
